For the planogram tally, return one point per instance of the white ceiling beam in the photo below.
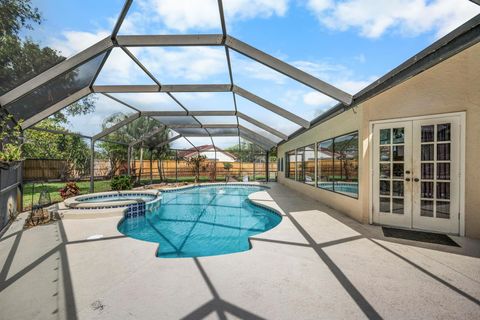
(270, 106)
(170, 40)
(262, 126)
(125, 88)
(116, 126)
(196, 88)
(257, 136)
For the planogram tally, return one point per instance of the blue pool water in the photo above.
(202, 221)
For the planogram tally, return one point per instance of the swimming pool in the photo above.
(202, 221)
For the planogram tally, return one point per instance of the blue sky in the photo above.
(348, 43)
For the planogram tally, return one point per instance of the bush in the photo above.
(70, 190)
(121, 183)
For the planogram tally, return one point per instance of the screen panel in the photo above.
(149, 101)
(177, 120)
(55, 90)
(268, 117)
(223, 131)
(278, 88)
(192, 132)
(217, 119)
(90, 115)
(186, 65)
(199, 101)
(120, 69)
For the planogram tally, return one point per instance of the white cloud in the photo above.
(314, 98)
(374, 18)
(194, 15)
(248, 9)
(247, 68)
(186, 64)
(72, 42)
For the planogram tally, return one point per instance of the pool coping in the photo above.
(75, 203)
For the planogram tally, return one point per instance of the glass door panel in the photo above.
(436, 149)
(392, 167)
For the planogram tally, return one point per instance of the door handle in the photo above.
(407, 172)
(407, 179)
(416, 179)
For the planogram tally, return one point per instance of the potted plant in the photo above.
(11, 141)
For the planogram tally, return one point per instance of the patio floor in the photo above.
(316, 264)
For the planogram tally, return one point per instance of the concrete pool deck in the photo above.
(316, 264)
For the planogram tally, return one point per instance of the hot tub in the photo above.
(136, 202)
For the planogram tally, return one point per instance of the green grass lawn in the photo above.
(53, 187)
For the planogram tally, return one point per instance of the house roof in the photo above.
(192, 152)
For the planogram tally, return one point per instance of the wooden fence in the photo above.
(327, 169)
(55, 169)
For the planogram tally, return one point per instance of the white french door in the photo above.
(416, 173)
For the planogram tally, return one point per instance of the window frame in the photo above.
(287, 164)
(333, 163)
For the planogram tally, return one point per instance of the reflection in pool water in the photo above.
(202, 221)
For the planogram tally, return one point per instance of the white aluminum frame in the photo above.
(223, 39)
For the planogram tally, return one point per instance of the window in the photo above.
(325, 164)
(306, 164)
(299, 164)
(309, 165)
(290, 164)
(338, 164)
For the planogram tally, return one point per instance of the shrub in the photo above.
(10, 139)
(70, 190)
(121, 183)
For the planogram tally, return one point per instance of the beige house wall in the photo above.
(450, 86)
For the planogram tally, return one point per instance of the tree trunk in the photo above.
(159, 167)
(140, 169)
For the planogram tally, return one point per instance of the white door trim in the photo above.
(462, 118)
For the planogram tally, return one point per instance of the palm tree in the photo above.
(129, 133)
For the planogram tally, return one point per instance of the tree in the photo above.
(117, 153)
(162, 152)
(195, 162)
(243, 152)
(20, 59)
(47, 145)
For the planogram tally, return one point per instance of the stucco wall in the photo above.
(451, 86)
